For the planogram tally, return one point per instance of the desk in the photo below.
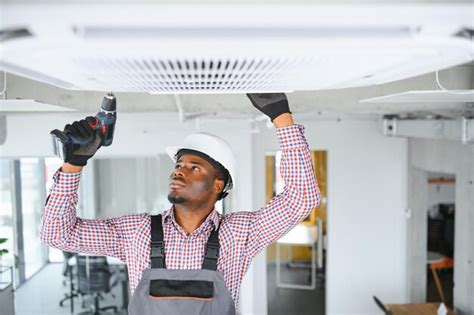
(419, 309)
(302, 235)
(6, 290)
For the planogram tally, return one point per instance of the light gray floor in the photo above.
(294, 301)
(41, 294)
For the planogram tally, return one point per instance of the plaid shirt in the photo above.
(242, 234)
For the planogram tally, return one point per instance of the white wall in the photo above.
(367, 176)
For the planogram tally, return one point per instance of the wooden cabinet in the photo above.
(7, 300)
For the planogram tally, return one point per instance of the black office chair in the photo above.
(93, 275)
(68, 273)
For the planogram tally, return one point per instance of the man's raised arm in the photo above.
(300, 194)
(61, 228)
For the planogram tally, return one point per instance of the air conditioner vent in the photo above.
(242, 48)
(190, 75)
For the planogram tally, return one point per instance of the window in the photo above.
(279, 183)
(6, 212)
(23, 187)
(51, 166)
(32, 195)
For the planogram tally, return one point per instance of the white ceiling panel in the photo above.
(30, 106)
(205, 49)
(436, 96)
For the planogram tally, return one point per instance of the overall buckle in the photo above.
(212, 252)
(157, 249)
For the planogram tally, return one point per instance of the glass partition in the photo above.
(6, 213)
(51, 165)
(33, 195)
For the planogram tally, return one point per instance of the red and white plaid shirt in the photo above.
(242, 234)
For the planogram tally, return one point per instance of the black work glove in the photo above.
(83, 141)
(271, 104)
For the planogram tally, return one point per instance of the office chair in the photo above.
(93, 275)
(68, 272)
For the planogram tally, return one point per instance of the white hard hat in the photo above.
(214, 147)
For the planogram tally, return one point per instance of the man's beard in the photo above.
(175, 199)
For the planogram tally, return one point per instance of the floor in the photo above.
(29, 300)
(292, 301)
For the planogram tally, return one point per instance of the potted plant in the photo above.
(2, 250)
(6, 284)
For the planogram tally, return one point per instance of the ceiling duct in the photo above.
(461, 129)
(179, 49)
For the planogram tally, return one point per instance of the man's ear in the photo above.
(218, 185)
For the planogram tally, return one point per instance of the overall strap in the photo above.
(157, 253)
(212, 251)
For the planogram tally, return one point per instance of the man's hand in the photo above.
(85, 142)
(271, 104)
(275, 106)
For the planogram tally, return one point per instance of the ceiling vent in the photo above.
(189, 75)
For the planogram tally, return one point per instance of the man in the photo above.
(190, 259)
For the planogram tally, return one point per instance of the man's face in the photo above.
(193, 181)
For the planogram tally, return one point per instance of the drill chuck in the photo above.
(109, 103)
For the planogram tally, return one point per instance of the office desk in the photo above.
(6, 290)
(419, 309)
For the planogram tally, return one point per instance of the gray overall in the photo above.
(181, 292)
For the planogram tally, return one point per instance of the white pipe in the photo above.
(179, 106)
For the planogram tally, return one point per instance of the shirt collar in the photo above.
(212, 217)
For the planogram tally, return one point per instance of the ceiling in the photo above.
(328, 56)
(253, 2)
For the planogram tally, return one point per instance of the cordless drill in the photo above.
(103, 123)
